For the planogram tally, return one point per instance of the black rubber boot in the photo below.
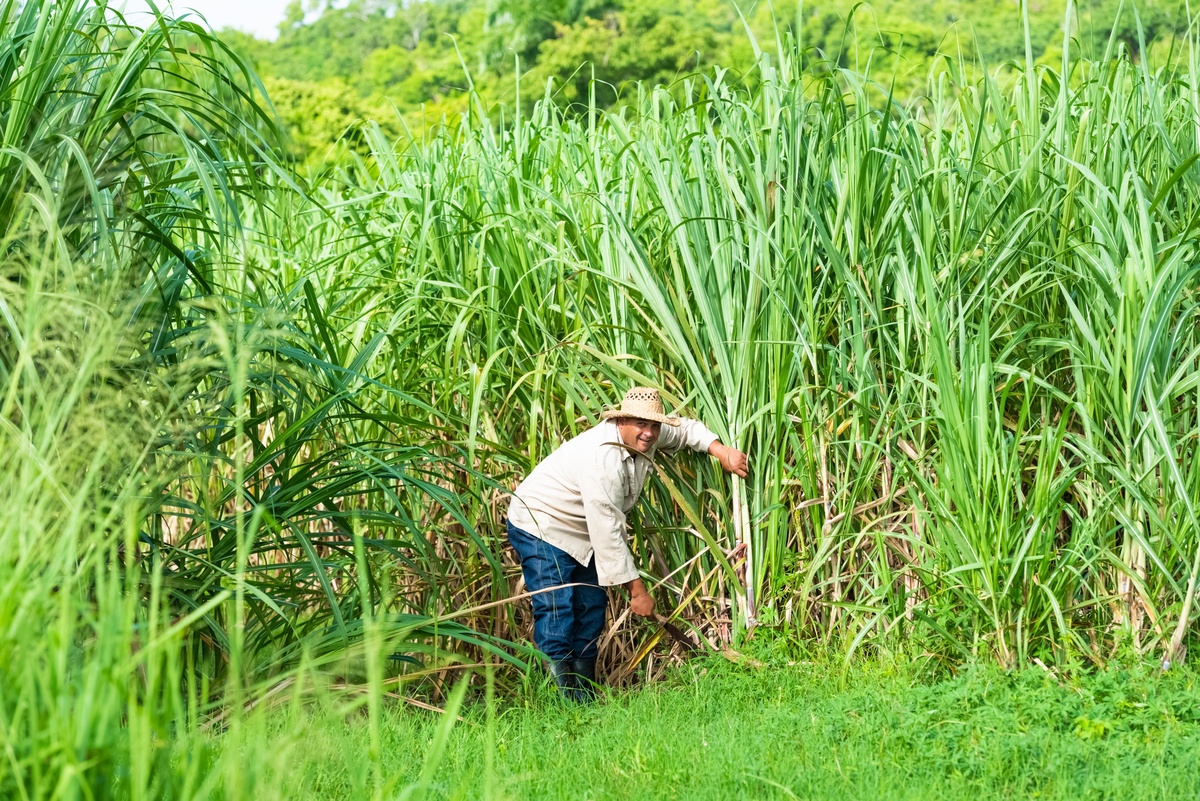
(564, 676)
(585, 679)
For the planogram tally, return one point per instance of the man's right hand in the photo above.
(641, 601)
(642, 604)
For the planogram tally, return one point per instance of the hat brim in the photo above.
(658, 418)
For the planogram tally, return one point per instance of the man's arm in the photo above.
(600, 489)
(693, 434)
(690, 434)
(732, 460)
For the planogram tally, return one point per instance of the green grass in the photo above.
(718, 731)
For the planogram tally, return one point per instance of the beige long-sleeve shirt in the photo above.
(577, 498)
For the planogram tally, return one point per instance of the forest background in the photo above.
(334, 64)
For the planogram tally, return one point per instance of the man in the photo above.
(567, 524)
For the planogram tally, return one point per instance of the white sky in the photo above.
(258, 17)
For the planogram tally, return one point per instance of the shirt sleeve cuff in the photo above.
(615, 580)
(698, 437)
(705, 441)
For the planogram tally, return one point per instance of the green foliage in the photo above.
(178, 425)
(656, 42)
(426, 56)
(323, 120)
(257, 430)
(1128, 25)
(386, 68)
(933, 326)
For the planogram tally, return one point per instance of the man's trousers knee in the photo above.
(567, 621)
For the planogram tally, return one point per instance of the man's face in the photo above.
(639, 434)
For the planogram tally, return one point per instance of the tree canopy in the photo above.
(400, 64)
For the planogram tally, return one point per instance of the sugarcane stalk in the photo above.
(749, 540)
(1173, 650)
(737, 541)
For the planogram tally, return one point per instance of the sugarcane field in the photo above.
(599, 399)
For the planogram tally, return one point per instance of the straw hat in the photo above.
(642, 403)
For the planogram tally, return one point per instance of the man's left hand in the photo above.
(732, 460)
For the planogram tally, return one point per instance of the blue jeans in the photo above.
(567, 622)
